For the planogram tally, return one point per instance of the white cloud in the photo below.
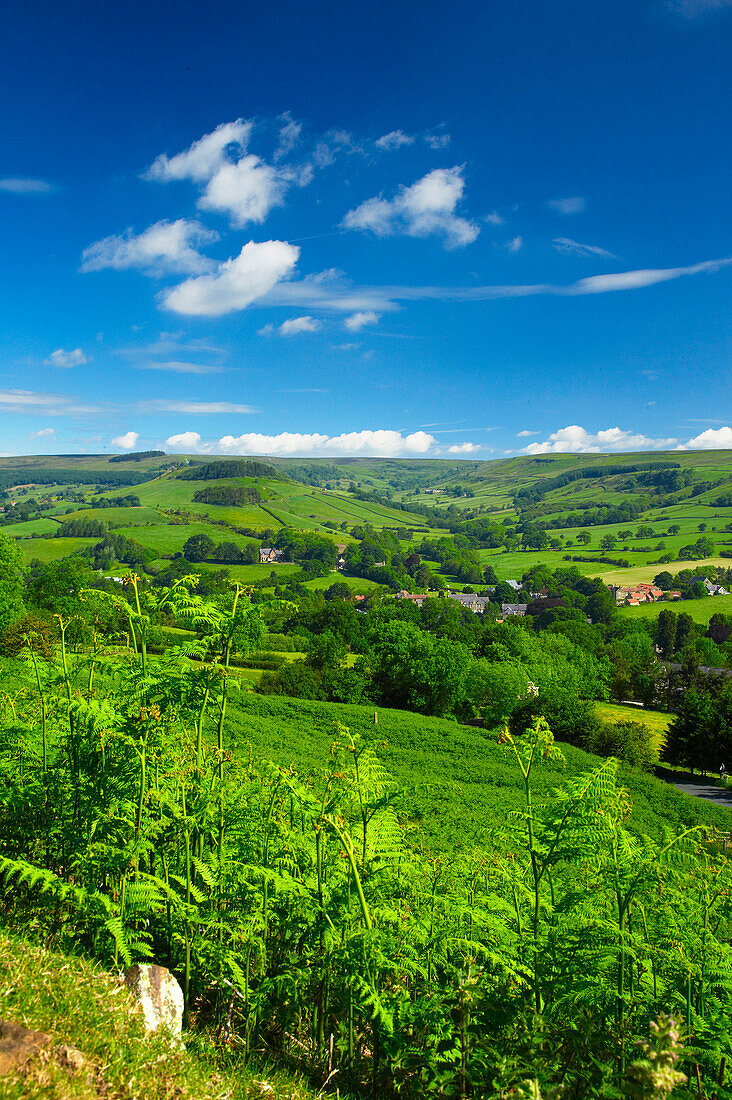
(233, 182)
(247, 190)
(574, 205)
(576, 440)
(424, 209)
(42, 433)
(382, 443)
(393, 140)
(61, 358)
(204, 157)
(236, 283)
(524, 434)
(289, 136)
(494, 218)
(437, 141)
(295, 325)
(329, 290)
(162, 404)
(44, 404)
(574, 248)
(515, 244)
(178, 367)
(188, 441)
(713, 439)
(464, 449)
(165, 247)
(357, 321)
(126, 441)
(26, 186)
(633, 280)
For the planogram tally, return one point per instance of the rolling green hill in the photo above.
(660, 492)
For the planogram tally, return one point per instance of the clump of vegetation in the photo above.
(233, 495)
(228, 467)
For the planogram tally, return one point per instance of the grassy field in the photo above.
(656, 720)
(458, 784)
(46, 550)
(44, 526)
(701, 611)
(646, 573)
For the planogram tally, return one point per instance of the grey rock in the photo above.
(160, 997)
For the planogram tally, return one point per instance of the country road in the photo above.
(720, 795)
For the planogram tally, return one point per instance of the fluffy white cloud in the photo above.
(236, 282)
(573, 205)
(186, 441)
(204, 157)
(26, 186)
(713, 439)
(61, 358)
(246, 191)
(524, 434)
(165, 247)
(425, 208)
(494, 218)
(574, 248)
(382, 443)
(357, 321)
(575, 440)
(464, 449)
(515, 244)
(234, 182)
(295, 325)
(393, 140)
(126, 441)
(42, 433)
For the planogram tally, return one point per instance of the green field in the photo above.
(51, 549)
(656, 720)
(44, 526)
(701, 611)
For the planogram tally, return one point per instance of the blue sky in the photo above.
(386, 229)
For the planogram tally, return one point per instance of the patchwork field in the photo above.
(700, 611)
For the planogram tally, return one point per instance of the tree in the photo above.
(674, 529)
(664, 581)
(503, 593)
(11, 581)
(584, 537)
(684, 631)
(338, 591)
(55, 585)
(494, 690)
(198, 548)
(608, 542)
(666, 632)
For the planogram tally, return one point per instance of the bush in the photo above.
(42, 637)
(631, 742)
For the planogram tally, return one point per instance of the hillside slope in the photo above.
(458, 784)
